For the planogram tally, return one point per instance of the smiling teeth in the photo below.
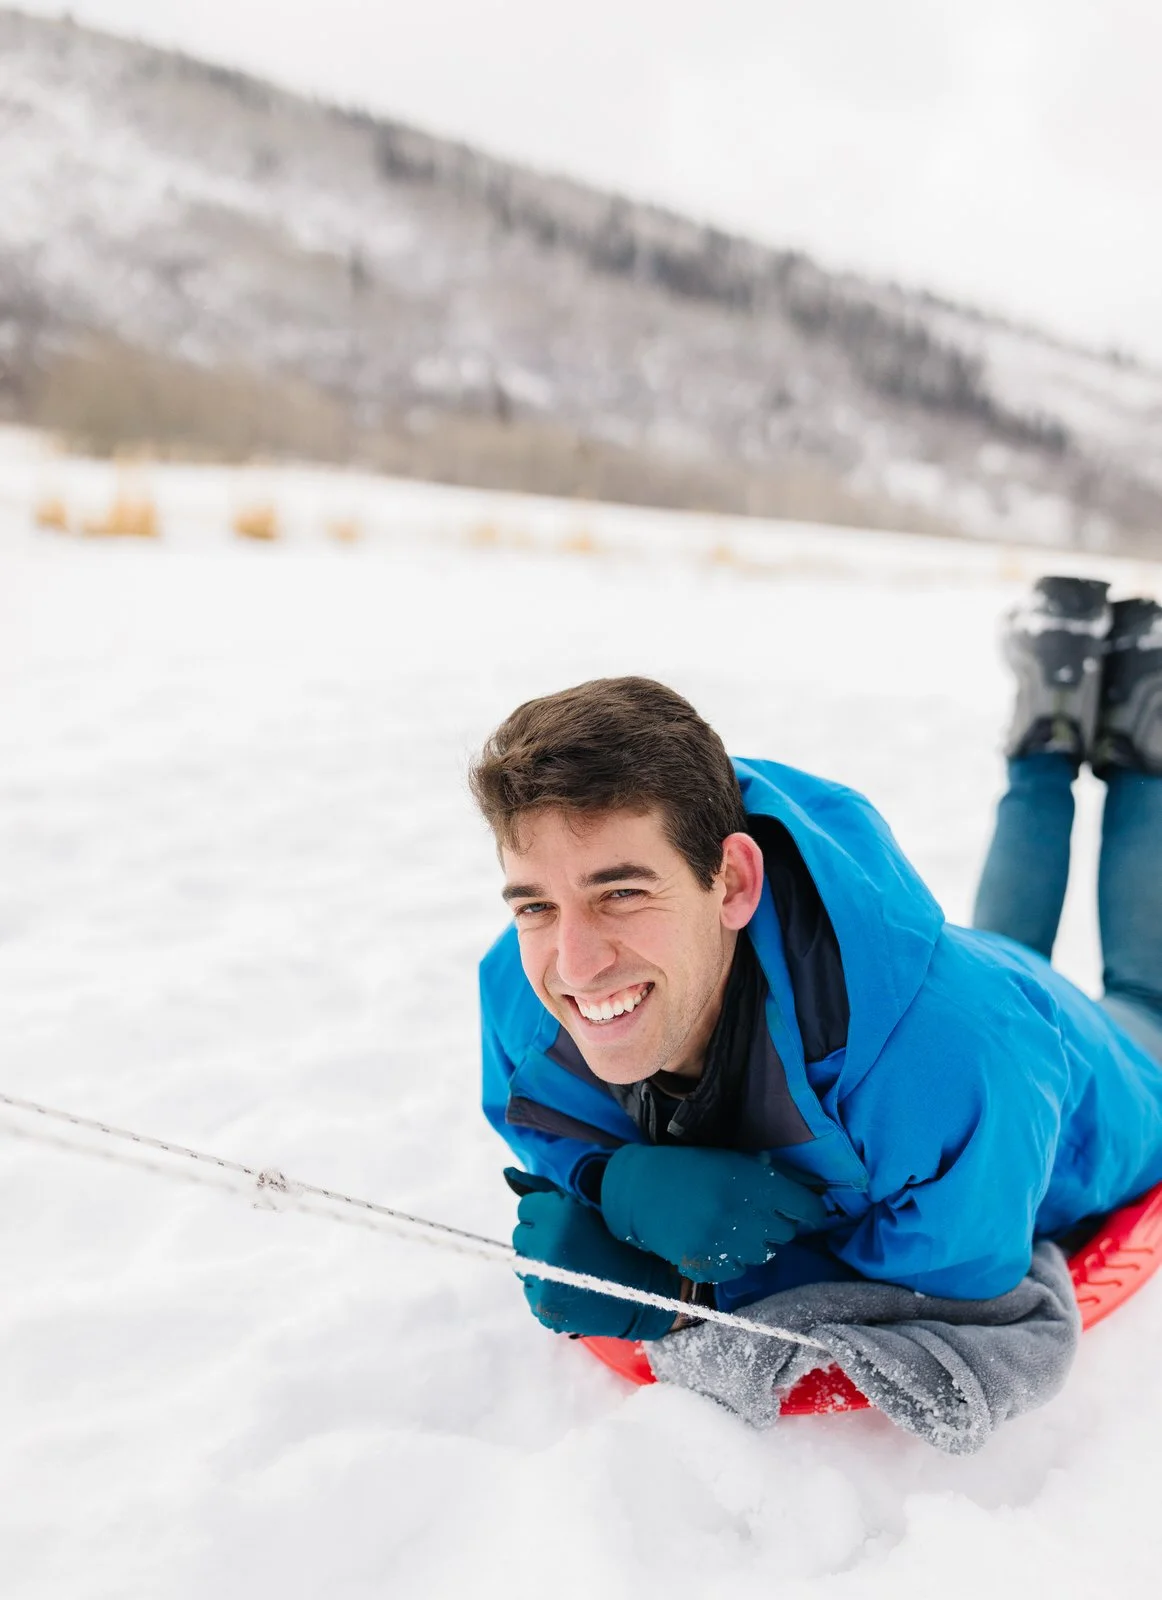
(606, 1010)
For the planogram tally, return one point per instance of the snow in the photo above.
(242, 900)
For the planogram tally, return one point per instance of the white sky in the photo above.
(1004, 151)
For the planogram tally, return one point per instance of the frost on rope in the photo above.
(276, 1192)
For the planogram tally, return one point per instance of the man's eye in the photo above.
(625, 894)
(533, 909)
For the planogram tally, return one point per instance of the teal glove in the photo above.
(554, 1227)
(713, 1213)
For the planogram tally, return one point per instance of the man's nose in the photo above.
(584, 949)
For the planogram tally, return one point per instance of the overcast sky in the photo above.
(1004, 151)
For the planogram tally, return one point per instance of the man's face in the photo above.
(619, 940)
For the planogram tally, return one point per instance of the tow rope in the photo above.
(271, 1189)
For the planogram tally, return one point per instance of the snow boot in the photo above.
(1054, 642)
(1129, 728)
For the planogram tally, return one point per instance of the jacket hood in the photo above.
(885, 918)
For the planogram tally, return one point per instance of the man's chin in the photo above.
(620, 1073)
(612, 1065)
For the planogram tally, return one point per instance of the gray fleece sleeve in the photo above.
(949, 1371)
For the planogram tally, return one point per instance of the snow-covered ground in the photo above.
(241, 900)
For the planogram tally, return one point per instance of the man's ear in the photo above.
(742, 872)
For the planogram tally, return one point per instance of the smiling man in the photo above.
(622, 942)
(737, 1048)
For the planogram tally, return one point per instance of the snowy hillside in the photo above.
(242, 901)
(445, 314)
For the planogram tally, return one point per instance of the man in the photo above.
(733, 1041)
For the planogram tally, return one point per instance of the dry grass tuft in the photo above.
(51, 512)
(723, 555)
(345, 530)
(579, 543)
(1013, 567)
(485, 536)
(257, 522)
(129, 517)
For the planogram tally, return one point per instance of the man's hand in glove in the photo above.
(713, 1213)
(554, 1227)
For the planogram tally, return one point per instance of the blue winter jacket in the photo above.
(981, 1100)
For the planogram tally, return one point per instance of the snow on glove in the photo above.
(554, 1227)
(713, 1213)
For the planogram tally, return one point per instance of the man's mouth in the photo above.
(611, 1006)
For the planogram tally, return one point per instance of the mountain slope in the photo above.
(397, 297)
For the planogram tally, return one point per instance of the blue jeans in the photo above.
(1022, 886)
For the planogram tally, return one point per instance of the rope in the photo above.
(277, 1192)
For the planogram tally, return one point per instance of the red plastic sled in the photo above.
(1117, 1261)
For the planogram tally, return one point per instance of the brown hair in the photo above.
(609, 745)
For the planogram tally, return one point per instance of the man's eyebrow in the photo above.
(623, 869)
(591, 880)
(521, 891)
